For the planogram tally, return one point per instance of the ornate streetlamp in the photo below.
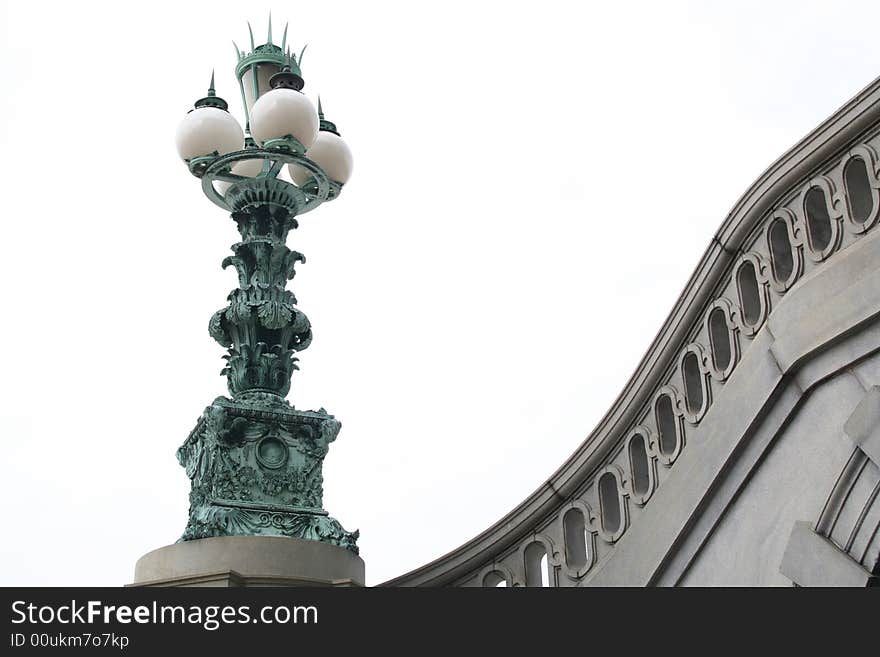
(253, 459)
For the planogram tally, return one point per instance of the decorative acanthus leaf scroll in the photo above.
(260, 368)
(261, 325)
(254, 461)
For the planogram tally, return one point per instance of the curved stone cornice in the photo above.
(748, 217)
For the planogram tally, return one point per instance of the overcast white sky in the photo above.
(534, 183)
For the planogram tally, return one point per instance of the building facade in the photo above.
(745, 449)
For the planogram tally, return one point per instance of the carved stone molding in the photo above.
(813, 560)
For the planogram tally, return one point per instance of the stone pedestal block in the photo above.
(227, 561)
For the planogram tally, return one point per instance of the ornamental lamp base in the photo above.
(249, 561)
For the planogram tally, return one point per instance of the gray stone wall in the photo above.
(790, 484)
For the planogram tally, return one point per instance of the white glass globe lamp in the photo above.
(208, 129)
(247, 168)
(284, 117)
(330, 152)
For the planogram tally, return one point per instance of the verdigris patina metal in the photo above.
(253, 459)
(256, 470)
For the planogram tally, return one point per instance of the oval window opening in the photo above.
(693, 384)
(494, 579)
(609, 503)
(536, 565)
(638, 461)
(818, 221)
(858, 190)
(666, 425)
(719, 339)
(749, 294)
(575, 530)
(781, 255)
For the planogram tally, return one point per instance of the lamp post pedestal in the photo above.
(250, 561)
(255, 467)
(255, 515)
